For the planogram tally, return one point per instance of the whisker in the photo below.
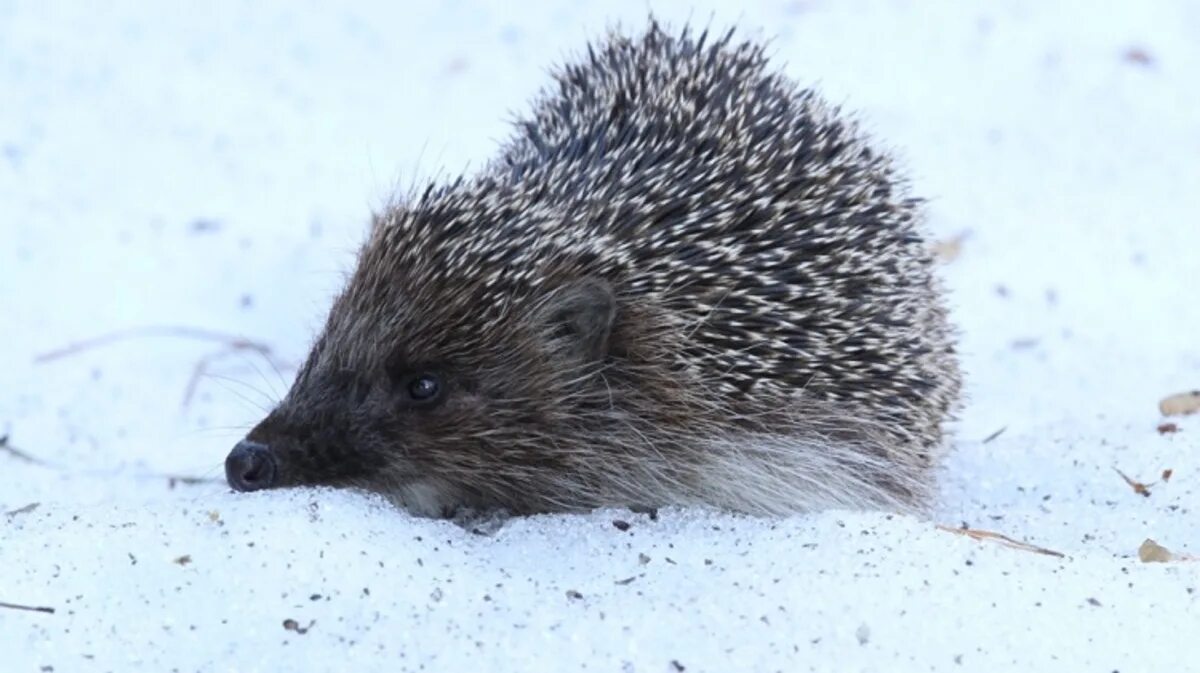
(219, 380)
(268, 398)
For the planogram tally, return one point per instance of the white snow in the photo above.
(214, 165)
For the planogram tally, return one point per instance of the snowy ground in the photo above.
(215, 169)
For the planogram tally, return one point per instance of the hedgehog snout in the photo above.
(251, 466)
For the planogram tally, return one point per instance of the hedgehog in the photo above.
(684, 281)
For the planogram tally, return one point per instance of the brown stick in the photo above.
(29, 608)
(994, 435)
(1005, 540)
(184, 331)
(173, 479)
(17, 453)
(23, 510)
(229, 344)
(1137, 486)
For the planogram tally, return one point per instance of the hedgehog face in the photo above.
(435, 429)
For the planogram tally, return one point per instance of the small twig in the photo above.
(29, 608)
(1137, 486)
(229, 344)
(994, 435)
(173, 479)
(228, 340)
(17, 453)
(1005, 540)
(23, 510)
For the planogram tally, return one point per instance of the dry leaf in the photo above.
(1153, 552)
(1180, 404)
(949, 249)
(1139, 56)
(293, 625)
(1167, 428)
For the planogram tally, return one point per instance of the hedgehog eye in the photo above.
(424, 388)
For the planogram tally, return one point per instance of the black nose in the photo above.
(250, 466)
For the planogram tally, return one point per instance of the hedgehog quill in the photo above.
(683, 281)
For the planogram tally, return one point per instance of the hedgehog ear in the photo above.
(580, 317)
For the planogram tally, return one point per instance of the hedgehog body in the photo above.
(683, 281)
